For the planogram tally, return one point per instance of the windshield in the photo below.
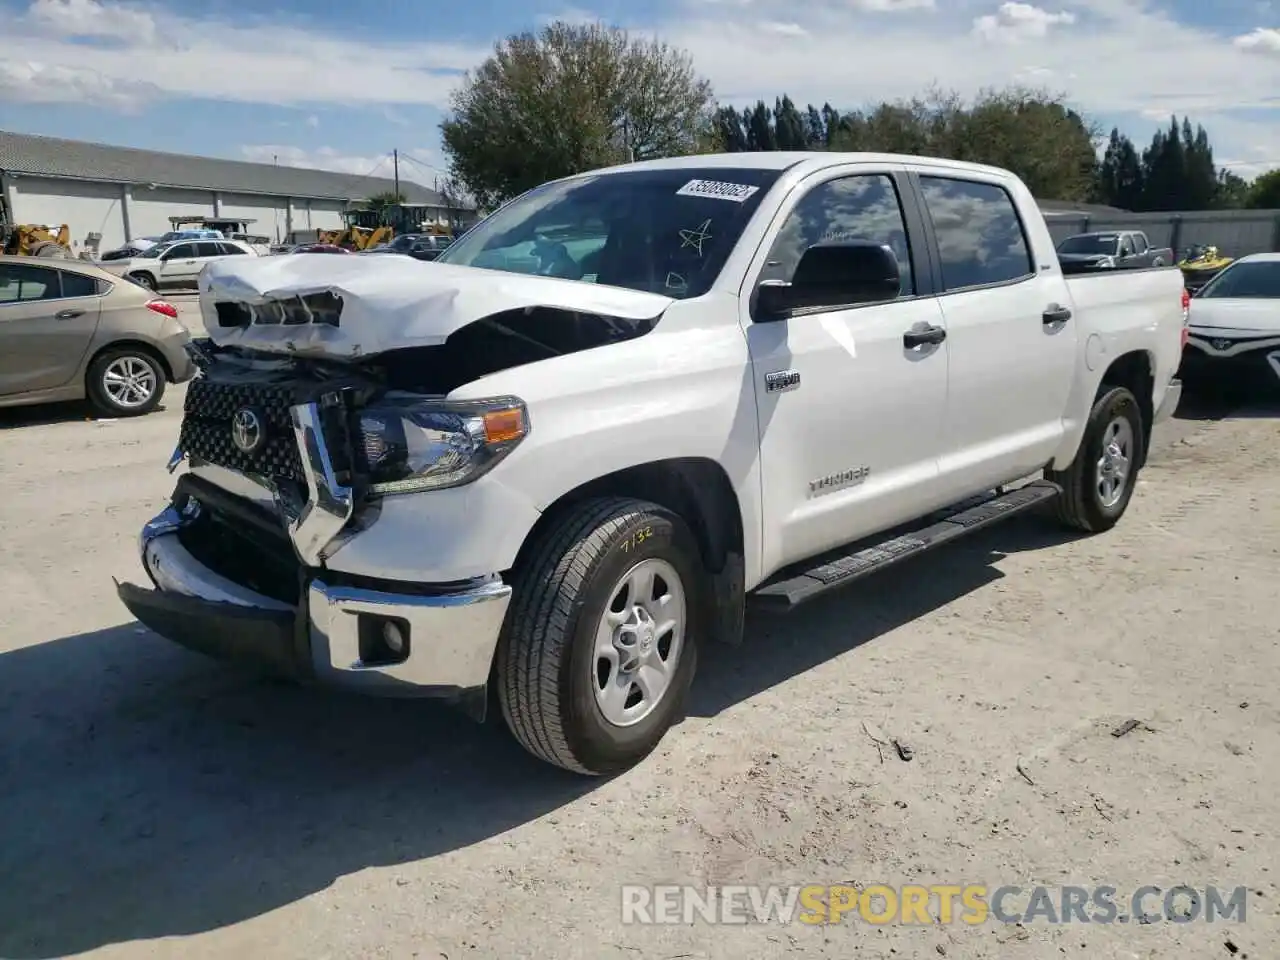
(659, 231)
(1098, 243)
(1258, 279)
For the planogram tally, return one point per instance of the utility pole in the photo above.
(395, 163)
(626, 141)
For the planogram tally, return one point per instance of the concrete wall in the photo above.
(1236, 233)
(271, 215)
(150, 210)
(84, 206)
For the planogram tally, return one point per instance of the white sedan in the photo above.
(1234, 326)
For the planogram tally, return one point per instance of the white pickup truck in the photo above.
(550, 465)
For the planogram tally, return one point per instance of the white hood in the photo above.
(1242, 317)
(390, 301)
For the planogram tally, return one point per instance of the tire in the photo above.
(144, 279)
(548, 671)
(51, 248)
(1158, 262)
(1083, 505)
(103, 387)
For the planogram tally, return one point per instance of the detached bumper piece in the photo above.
(399, 640)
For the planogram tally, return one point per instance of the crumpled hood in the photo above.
(390, 301)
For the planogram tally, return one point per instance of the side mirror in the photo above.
(833, 275)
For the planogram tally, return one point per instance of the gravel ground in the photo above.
(155, 804)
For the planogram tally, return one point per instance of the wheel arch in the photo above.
(1135, 372)
(696, 488)
(140, 345)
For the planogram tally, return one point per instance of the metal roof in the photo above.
(54, 157)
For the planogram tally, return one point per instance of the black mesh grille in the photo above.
(207, 419)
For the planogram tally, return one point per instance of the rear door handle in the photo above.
(1055, 313)
(924, 334)
(68, 314)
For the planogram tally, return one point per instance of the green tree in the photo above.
(1232, 192)
(1264, 194)
(1120, 174)
(568, 99)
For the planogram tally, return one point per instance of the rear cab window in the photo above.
(980, 237)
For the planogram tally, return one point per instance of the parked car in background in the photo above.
(420, 246)
(72, 330)
(134, 248)
(319, 248)
(1233, 336)
(176, 266)
(1111, 250)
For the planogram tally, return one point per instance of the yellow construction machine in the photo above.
(35, 240)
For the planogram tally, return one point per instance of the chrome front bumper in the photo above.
(451, 632)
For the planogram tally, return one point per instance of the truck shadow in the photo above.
(150, 793)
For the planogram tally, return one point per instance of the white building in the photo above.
(122, 193)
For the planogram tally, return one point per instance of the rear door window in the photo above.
(20, 283)
(979, 233)
(208, 248)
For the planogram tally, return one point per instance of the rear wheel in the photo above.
(1097, 486)
(145, 280)
(125, 382)
(600, 643)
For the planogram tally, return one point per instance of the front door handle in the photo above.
(68, 314)
(924, 334)
(1055, 313)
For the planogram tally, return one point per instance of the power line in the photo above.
(374, 169)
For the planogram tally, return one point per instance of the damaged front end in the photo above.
(291, 455)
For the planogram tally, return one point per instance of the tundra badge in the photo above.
(781, 380)
(845, 478)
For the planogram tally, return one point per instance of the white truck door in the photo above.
(1010, 331)
(849, 414)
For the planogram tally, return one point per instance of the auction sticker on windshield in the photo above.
(737, 192)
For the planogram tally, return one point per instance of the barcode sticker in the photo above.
(737, 192)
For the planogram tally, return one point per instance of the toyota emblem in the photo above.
(247, 431)
(1222, 344)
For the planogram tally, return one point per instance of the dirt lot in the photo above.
(155, 804)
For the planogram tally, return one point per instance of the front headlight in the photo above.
(412, 444)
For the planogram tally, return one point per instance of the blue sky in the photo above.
(339, 85)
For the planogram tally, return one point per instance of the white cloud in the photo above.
(891, 6)
(783, 29)
(1017, 22)
(420, 164)
(1263, 40)
(89, 18)
(60, 49)
(36, 81)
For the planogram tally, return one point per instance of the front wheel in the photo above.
(125, 382)
(600, 643)
(1097, 486)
